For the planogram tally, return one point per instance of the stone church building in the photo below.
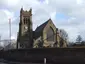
(45, 35)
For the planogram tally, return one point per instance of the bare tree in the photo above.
(79, 39)
(64, 34)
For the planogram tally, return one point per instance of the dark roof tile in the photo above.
(40, 28)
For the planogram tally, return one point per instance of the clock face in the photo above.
(26, 27)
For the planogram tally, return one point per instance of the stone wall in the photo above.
(52, 54)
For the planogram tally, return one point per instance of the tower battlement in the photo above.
(25, 12)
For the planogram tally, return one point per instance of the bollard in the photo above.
(44, 60)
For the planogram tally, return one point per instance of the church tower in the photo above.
(25, 38)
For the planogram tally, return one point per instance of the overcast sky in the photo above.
(66, 14)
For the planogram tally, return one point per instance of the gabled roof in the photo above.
(40, 28)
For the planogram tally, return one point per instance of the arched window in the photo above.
(24, 20)
(50, 34)
(28, 21)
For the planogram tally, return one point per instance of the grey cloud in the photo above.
(42, 12)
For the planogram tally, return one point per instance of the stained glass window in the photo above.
(50, 34)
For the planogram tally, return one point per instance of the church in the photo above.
(45, 35)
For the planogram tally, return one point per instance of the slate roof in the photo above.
(40, 28)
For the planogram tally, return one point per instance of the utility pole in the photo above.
(10, 29)
(0, 38)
